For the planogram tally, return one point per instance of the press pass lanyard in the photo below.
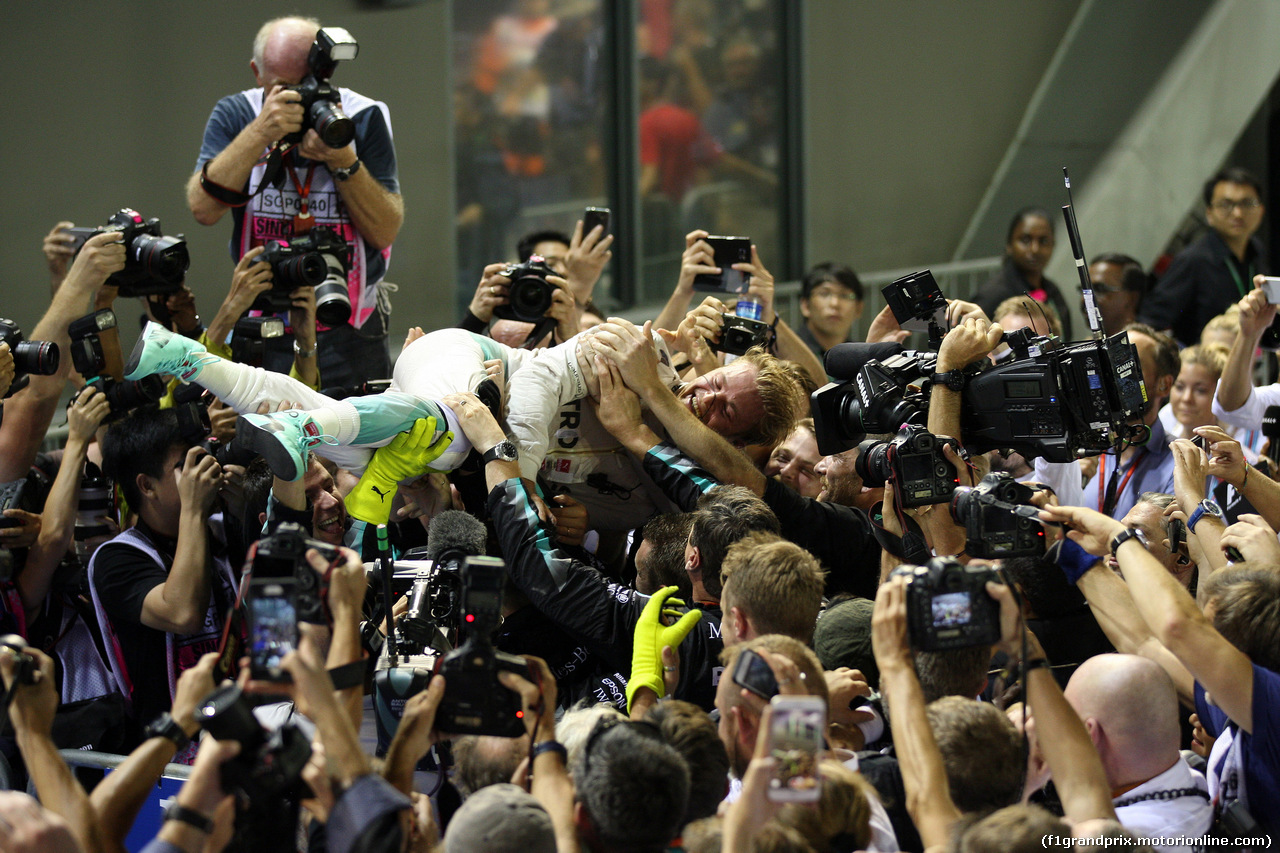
(1242, 286)
(303, 221)
(1107, 504)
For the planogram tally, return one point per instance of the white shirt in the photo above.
(1188, 816)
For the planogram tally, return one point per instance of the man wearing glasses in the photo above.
(830, 300)
(1218, 269)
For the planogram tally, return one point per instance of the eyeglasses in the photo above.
(832, 293)
(1246, 205)
(643, 728)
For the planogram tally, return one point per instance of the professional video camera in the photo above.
(90, 362)
(530, 295)
(997, 519)
(266, 775)
(948, 606)
(1045, 398)
(320, 259)
(475, 702)
(912, 460)
(249, 338)
(321, 102)
(38, 357)
(154, 263)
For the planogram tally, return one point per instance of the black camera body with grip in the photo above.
(997, 518)
(530, 296)
(154, 263)
(282, 555)
(913, 461)
(319, 259)
(321, 101)
(948, 606)
(38, 357)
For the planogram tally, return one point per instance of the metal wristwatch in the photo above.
(1208, 506)
(341, 174)
(504, 450)
(1124, 536)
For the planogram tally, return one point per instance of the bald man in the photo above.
(1129, 706)
(353, 189)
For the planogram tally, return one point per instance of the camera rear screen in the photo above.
(951, 610)
(275, 626)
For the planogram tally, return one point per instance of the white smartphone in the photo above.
(1271, 285)
(795, 744)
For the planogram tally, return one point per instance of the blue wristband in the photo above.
(1075, 561)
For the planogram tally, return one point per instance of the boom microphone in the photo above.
(843, 361)
(454, 534)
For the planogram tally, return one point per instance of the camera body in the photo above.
(1045, 398)
(739, 334)
(320, 259)
(195, 427)
(89, 360)
(321, 101)
(530, 295)
(997, 519)
(948, 606)
(912, 460)
(269, 765)
(475, 702)
(282, 556)
(38, 357)
(154, 263)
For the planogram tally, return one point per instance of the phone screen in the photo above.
(795, 740)
(727, 252)
(273, 622)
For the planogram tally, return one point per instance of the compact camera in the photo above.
(912, 460)
(475, 702)
(1045, 398)
(321, 102)
(739, 334)
(38, 357)
(530, 295)
(154, 263)
(997, 518)
(320, 259)
(948, 606)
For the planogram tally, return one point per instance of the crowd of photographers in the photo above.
(562, 582)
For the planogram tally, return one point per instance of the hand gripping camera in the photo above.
(475, 702)
(948, 606)
(320, 259)
(530, 295)
(90, 361)
(321, 102)
(997, 518)
(154, 263)
(912, 460)
(38, 357)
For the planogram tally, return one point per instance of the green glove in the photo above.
(651, 636)
(407, 457)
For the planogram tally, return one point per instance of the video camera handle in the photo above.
(1091, 312)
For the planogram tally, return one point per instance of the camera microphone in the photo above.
(843, 361)
(455, 531)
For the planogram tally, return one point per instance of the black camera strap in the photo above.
(911, 546)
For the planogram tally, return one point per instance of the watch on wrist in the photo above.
(504, 450)
(344, 174)
(166, 726)
(1125, 535)
(953, 380)
(304, 353)
(1208, 506)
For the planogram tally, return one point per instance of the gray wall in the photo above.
(107, 102)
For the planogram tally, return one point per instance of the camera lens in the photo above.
(164, 258)
(530, 298)
(872, 464)
(961, 504)
(333, 306)
(38, 357)
(95, 502)
(123, 396)
(306, 269)
(332, 124)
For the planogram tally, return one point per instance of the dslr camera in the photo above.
(266, 774)
(320, 259)
(321, 102)
(1044, 398)
(475, 702)
(948, 606)
(282, 556)
(912, 460)
(154, 264)
(191, 403)
(38, 357)
(530, 295)
(90, 362)
(997, 519)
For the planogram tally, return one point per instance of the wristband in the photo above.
(225, 195)
(1034, 663)
(1075, 561)
(549, 746)
(190, 817)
